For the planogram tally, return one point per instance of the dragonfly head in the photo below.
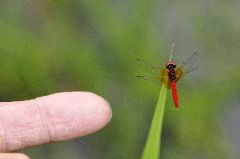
(170, 65)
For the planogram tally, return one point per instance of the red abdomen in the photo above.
(174, 93)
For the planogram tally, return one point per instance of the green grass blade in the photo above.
(152, 147)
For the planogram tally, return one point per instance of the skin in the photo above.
(53, 118)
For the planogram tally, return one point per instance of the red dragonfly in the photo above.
(170, 75)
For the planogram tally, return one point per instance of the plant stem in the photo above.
(152, 146)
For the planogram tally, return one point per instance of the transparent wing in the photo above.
(162, 78)
(149, 78)
(147, 66)
(188, 65)
(179, 73)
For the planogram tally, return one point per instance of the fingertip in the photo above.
(99, 109)
(104, 109)
(98, 106)
(83, 112)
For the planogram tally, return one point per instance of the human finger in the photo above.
(52, 118)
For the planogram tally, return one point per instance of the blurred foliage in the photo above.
(89, 45)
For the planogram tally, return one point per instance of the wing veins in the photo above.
(148, 67)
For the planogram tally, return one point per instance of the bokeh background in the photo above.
(91, 45)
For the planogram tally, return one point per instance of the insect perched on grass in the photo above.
(170, 75)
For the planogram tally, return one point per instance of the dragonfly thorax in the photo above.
(171, 71)
(171, 74)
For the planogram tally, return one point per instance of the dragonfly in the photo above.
(171, 74)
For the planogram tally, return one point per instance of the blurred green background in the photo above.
(90, 45)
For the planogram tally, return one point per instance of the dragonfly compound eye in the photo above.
(170, 65)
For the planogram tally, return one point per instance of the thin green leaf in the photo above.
(152, 147)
